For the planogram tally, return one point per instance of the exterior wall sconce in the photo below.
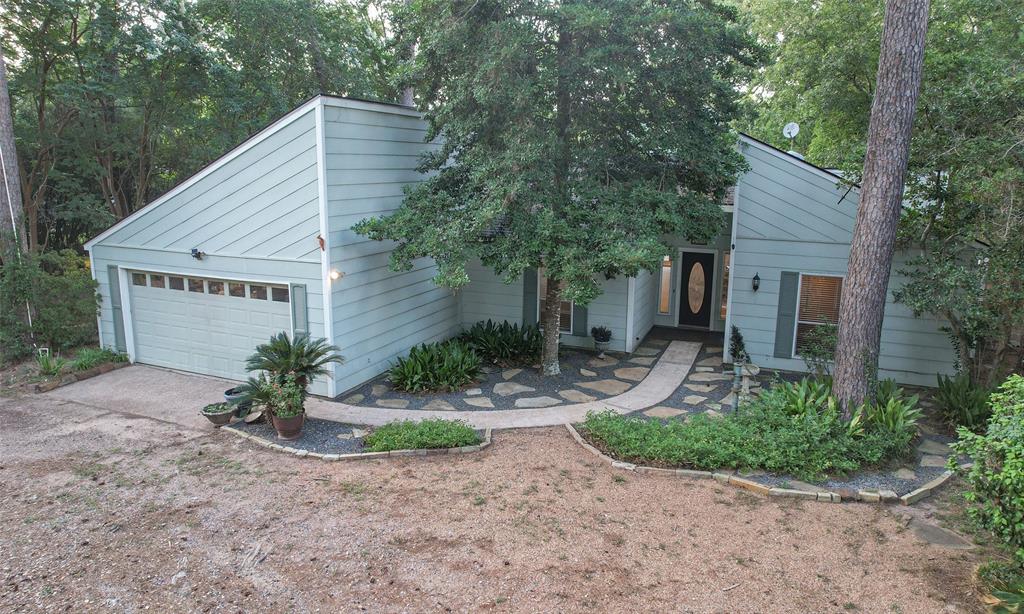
(335, 274)
(756, 282)
(198, 255)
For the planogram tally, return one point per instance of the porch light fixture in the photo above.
(756, 282)
(198, 255)
(335, 274)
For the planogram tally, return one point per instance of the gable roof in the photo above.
(832, 175)
(250, 142)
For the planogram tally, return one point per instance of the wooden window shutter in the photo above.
(579, 321)
(300, 311)
(115, 307)
(785, 321)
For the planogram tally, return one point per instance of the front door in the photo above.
(698, 276)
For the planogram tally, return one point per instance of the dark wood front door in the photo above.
(698, 276)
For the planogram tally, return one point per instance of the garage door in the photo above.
(204, 325)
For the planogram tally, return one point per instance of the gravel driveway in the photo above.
(104, 511)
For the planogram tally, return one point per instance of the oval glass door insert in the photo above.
(695, 289)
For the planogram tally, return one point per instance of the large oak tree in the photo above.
(575, 134)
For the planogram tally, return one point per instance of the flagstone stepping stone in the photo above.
(587, 373)
(509, 388)
(393, 403)
(714, 407)
(472, 392)
(694, 399)
(344, 436)
(642, 360)
(701, 387)
(645, 351)
(537, 402)
(633, 374)
(904, 474)
(359, 433)
(607, 386)
(439, 405)
(712, 361)
(937, 536)
(704, 370)
(730, 399)
(480, 402)
(658, 343)
(379, 390)
(709, 377)
(930, 460)
(510, 373)
(576, 396)
(663, 412)
(712, 414)
(606, 361)
(354, 399)
(713, 349)
(930, 446)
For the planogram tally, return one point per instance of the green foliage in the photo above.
(50, 365)
(792, 429)
(217, 408)
(429, 367)
(61, 293)
(426, 434)
(962, 402)
(737, 346)
(818, 349)
(576, 135)
(601, 334)
(996, 477)
(115, 102)
(87, 358)
(504, 343)
(286, 396)
(302, 357)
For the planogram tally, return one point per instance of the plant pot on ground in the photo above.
(602, 338)
(218, 413)
(285, 404)
(238, 399)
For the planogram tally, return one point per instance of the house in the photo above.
(261, 241)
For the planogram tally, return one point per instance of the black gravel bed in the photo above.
(572, 360)
(317, 436)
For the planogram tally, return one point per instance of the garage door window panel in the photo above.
(176, 283)
(138, 279)
(195, 285)
(236, 290)
(156, 281)
(279, 295)
(258, 292)
(215, 287)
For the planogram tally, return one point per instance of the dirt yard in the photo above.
(105, 511)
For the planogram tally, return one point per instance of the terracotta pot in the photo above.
(218, 419)
(289, 428)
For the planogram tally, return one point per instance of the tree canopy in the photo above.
(574, 135)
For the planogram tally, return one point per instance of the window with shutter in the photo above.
(818, 305)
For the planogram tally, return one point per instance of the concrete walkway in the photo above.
(666, 375)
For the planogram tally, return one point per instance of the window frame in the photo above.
(799, 288)
(662, 289)
(572, 307)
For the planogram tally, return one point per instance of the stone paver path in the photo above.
(665, 377)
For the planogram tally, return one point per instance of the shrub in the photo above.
(450, 365)
(87, 358)
(962, 402)
(601, 334)
(818, 349)
(996, 477)
(737, 347)
(505, 343)
(50, 365)
(302, 357)
(426, 434)
(62, 294)
(808, 440)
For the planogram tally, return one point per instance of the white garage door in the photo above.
(204, 325)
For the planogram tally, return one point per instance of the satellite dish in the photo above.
(790, 130)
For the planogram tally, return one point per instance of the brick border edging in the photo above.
(266, 443)
(77, 376)
(730, 478)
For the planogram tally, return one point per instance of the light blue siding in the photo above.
(488, 297)
(371, 155)
(646, 293)
(791, 218)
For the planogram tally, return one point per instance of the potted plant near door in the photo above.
(285, 367)
(602, 338)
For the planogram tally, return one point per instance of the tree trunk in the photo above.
(12, 230)
(881, 196)
(551, 321)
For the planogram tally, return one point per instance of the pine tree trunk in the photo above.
(551, 321)
(12, 229)
(881, 196)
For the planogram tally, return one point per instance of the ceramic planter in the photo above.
(289, 428)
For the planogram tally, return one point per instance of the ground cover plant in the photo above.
(792, 428)
(423, 435)
(87, 358)
(430, 367)
(505, 343)
(963, 403)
